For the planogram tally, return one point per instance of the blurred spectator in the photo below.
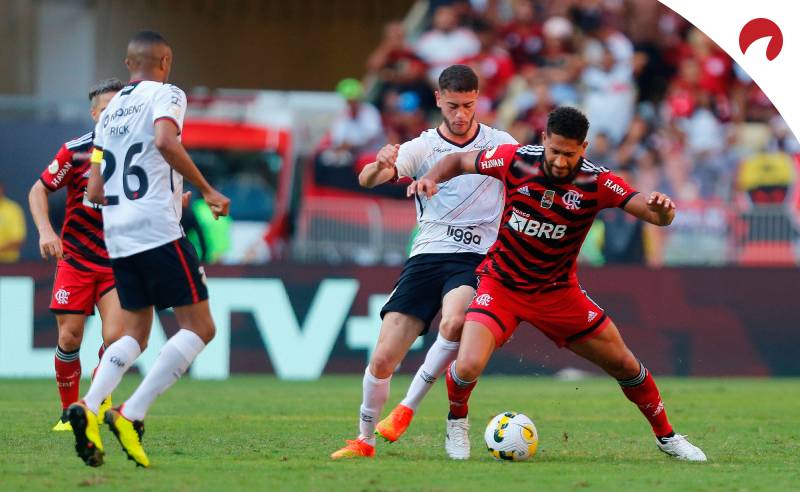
(523, 35)
(358, 127)
(529, 125)
(557, 64)
(399, 70)
(493, 66)
(446, 43)
(404, 118)
(609, 95)
(600, 151)
(356, 131)
(12, 228)
(766, 177)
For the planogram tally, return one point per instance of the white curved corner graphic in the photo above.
(723, 22)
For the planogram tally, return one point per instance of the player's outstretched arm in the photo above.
(167, 142)
(49, 242)
(657, 209)
(447, 168)
(382, 170)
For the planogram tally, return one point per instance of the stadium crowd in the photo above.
(668, 107)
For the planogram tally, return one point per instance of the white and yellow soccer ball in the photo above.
(511, 436)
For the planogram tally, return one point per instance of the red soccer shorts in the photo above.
(77, 291)
(565, 314)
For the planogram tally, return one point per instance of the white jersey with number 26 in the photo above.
(143, 193)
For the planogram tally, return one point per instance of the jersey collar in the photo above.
(461, 146)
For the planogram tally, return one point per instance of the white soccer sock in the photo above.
(376, 392)
(173, 360)
(116, 360)
(439, 356)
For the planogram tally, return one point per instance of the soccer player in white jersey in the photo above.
(137, 141)
(456, 228)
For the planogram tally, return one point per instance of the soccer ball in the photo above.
(511, 436)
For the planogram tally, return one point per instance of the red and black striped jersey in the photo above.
(82, 233)
(544, 223)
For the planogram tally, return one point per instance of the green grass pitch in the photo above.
(258, 433)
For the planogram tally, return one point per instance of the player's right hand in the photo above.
(50, 245)
(218, 203)
(387, 156)
(423, 186)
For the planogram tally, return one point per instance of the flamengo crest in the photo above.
(572, 200)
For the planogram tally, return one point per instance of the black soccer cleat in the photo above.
(87, 434)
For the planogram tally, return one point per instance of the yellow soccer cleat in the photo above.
(87, 433)
(395, 424)
(63, 423)
(357, 448)
(129, 434)
(104, 406)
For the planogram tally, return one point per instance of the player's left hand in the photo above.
(218, 203)
(424, 186)
(660, 203)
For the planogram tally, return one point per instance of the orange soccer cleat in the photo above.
(395, 424)
(357, 448)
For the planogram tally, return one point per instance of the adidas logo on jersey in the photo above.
(592, 316)
(524, 191)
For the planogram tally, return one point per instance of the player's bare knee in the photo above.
(468, 367)
(111, 333)
(208, 333)
(381, 365)
(70, 335)
(69, 340)
(623, 367)
(451, 326)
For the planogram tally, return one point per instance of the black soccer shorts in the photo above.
(167, 276)
(425, 280)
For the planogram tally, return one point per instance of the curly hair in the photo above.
(568, 122)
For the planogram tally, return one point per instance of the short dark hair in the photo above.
(568, 122)
(149, 37)
(458, 78)
(104, 87)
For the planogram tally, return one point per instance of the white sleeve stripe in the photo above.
(80, 140)
(531, 150)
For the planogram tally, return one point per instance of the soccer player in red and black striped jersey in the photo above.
(83, 275)
(552, 196)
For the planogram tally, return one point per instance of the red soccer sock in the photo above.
(458, 392)
(68, 376)
(642, 391)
